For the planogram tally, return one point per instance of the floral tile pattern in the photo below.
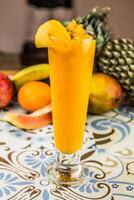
(108, 151)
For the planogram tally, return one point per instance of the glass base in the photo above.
(68, 171)
(68, 178)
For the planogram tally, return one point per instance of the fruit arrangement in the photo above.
(114, 57)
(33, 94)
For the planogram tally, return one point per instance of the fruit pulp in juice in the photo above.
(70, 77)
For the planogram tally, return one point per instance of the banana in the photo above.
(32, 73)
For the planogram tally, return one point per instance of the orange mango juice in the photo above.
(70, 76)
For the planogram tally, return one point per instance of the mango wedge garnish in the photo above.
(50, 33)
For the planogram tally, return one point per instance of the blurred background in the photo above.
(19, 21)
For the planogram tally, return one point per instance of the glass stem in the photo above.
(67, 167)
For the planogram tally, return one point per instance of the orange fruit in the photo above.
(50, 33)
(34, 95)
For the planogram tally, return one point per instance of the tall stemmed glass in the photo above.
(70, 78)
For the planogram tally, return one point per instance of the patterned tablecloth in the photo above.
(108, 151)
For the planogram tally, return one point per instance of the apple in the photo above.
(6, 90)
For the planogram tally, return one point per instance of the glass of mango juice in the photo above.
(71, 55)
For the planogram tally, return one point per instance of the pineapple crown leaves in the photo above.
(95, 22)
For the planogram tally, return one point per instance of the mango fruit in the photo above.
(105, 93)
(37, 119)
(6, 90)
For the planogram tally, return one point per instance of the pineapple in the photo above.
(114, 57)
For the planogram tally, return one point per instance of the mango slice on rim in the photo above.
(49, 30)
